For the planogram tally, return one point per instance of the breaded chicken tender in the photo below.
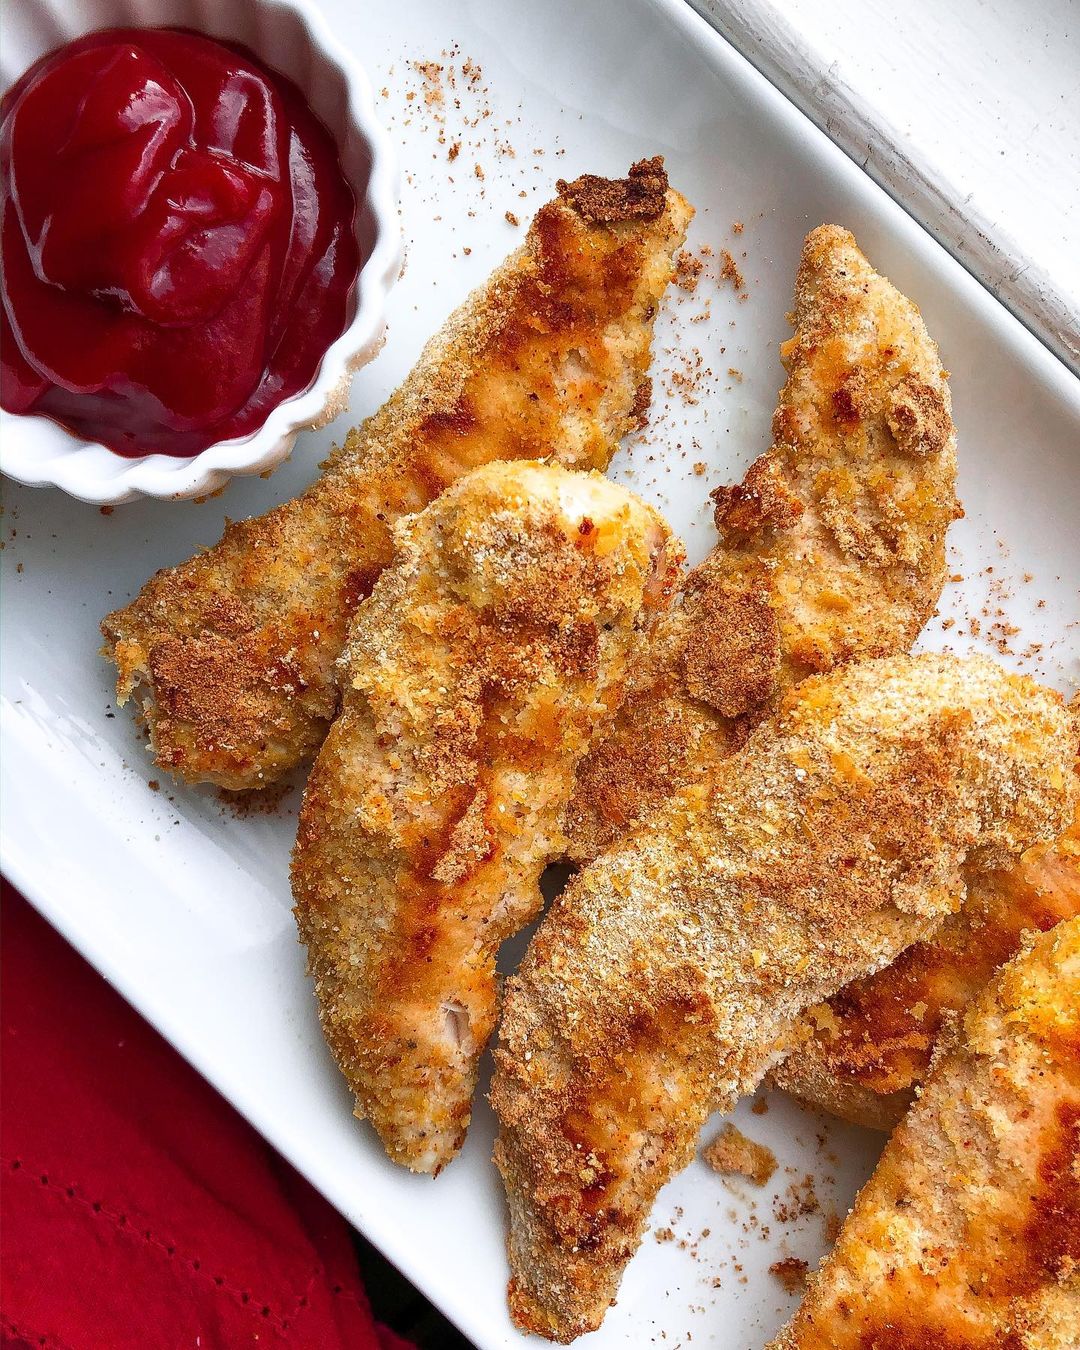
(967, 1236)
(870, 1045)
(475, 676)
(832, 547)
(232, 657)
(668, 977)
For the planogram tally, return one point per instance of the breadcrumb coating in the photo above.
(967, 1236)
(831, 548)
(869, 1047)
(476, 674)
(669, 975)
(231, 657)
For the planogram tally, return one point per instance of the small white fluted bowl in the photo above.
(291, 36)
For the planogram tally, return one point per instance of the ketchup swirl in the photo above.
(177, 240)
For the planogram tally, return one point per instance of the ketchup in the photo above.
(177, 240)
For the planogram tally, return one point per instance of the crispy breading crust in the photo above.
(475, 676)
(669, 975)
(870, 1045)
(832, 547)
(231, 657)
(967, 1236)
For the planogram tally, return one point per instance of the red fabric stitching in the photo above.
(340, 1291)
(37, 1338)
(302, 1299)
(120, 1222)
(337, 1290)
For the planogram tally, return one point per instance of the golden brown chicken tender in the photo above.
(475, 676)
(832, 547)
(967, 1236)
(869, 1047)
(667, 978)
(232, 656)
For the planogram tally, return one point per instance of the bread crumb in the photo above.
(250, 802)
(731, 1153)
(791, 1272)
(800, 1199)
(511, 219)
(729, 270)
(688, 271)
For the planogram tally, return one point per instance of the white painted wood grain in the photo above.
(968, 112)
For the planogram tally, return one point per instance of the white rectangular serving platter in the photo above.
(185, 907)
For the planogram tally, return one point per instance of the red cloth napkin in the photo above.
(139, 1210)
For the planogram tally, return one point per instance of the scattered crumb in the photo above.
(737, 227)
(685, 376)
(664, 1235)
(760, 1107)
(688, 271)
(730, 270)
(432, 73)
(153, 785)
(106, 510)
(791, 1272)
(209, 496)
(799, 1199)
(700, 467)
(731, 1153)
(254, 801)
(511, 219)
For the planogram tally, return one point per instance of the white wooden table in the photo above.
(967, 112)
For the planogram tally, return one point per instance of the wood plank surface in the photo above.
(968, 113)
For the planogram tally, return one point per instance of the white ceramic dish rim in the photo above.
(89, 471)
(36, 882)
